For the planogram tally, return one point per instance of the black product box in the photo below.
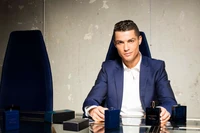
(179, 114)
(59, 116)
(112, 119)
(76, 124)
(11, 120)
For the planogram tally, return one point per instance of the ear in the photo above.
(140, 39)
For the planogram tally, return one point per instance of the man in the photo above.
(130, 83)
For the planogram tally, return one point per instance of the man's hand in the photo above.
(164, 116)
(97, 113)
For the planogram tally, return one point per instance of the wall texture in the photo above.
(19, 15)
(77, 34)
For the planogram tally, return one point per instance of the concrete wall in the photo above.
(77, 34)
(19, 15)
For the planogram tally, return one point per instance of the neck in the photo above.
(134, 62)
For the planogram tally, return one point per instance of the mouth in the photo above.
(127, 54)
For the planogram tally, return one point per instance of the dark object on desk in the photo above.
(179, 114)
(59, 116)
(31, 127)
(112, 119)
(26, 78)
(153, 115)
(11, 120)
(76, 124)
(12, 107)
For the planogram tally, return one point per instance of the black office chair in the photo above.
(112, 53)
(26, 79)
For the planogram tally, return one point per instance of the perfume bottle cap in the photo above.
(153, 104)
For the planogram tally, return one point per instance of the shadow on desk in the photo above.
(32, 127)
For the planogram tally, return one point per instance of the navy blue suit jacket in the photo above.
(154, 85)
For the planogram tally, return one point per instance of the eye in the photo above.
(119, 42)
(130, 41)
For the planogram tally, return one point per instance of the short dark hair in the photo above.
(127, 25)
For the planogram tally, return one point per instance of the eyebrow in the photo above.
(132, 39)
(123, 41)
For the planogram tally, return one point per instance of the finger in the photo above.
(163, 111)
(165, 120)
(101, 112)
(165, 117)
(96, 115)
(100, 115)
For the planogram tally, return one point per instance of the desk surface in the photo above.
(128, 125)
(135, 125)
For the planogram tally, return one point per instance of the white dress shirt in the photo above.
(131, 104)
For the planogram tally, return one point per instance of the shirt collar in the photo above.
(137, 67)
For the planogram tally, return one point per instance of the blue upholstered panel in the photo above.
(144, 48)
(26, 78)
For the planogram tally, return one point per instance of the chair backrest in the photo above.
(26, 79)
(112, 53)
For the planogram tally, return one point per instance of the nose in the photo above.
(126, 47)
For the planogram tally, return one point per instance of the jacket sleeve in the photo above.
(98, 92)
(164, 91)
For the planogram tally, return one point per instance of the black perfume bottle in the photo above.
(153, 115)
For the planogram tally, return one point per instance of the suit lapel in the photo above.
(119, 79)
(144, 71)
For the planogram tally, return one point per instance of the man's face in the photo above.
(127, 44)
